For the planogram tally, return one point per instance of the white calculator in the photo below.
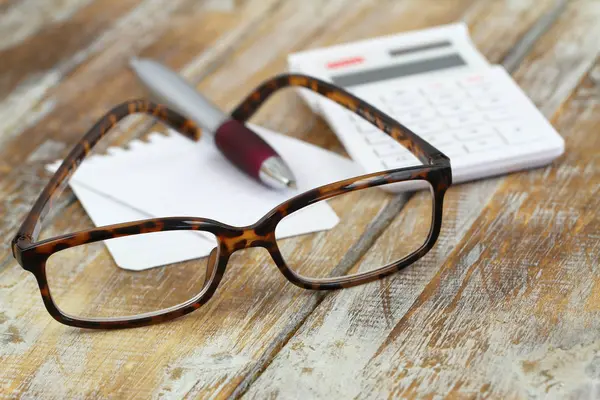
(437, 84)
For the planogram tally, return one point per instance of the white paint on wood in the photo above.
(552, 82)
(208, 60)
(24, 18)
(281, 39)
(47, 151)
(520, 51)
(32, 100)
(524, 321)
(489, 341)
(231, 339)
(327, 354)
(129, 34)
(558, 371)
(17, 332)
(205, 367)
(330, 356)
(220, 5)
(25, 105)
(50, 377)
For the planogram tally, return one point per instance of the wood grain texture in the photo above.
(522, 318)
(504, 306)
(477, 331)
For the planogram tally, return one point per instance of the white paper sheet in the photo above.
(172, 176)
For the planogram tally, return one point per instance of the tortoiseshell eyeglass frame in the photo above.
(32, 254)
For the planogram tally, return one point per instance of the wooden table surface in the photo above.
(506, 305)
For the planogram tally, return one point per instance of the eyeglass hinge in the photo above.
(439, 156)
(15, 245)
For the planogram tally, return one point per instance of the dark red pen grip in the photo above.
(243, 147)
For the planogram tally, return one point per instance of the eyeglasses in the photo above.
(82, 286)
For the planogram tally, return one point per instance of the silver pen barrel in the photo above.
(234, 139)
(172, 90)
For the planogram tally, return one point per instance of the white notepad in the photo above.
(169, 175)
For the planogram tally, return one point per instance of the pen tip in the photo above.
(276, 174)
(134, 61)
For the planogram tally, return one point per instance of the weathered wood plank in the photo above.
(247, 380)
(234, 335)
(22, 19)
(72, 112)
(222, 348)
(37, 96)
(521, 317)
(41, 36)
(336, 351)
(19, 185)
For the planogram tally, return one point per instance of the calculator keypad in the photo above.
(471, 115)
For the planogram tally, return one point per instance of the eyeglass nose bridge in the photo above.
(247, 238)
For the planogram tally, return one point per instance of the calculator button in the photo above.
(386, 150)
(517, 132)
(474, 132)
(453, 150)
(396, 161)
(484, 92)
(380, 138)
(475, 81)
(356, 118)
(484, 144)
(442, 141)
(364, 127)
(401, 95)
(499, 114)
(399, 106)
(417, 115)
(464, 120)
(375, 132)
(440, 86)
(427, 127)
(455, 109)
(453, 96)
(491, 101)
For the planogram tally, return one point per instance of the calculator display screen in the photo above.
(398, 70)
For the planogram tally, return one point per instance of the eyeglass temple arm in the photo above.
(425, 152)
(30, 228)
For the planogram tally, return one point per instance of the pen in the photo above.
(235, 140)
